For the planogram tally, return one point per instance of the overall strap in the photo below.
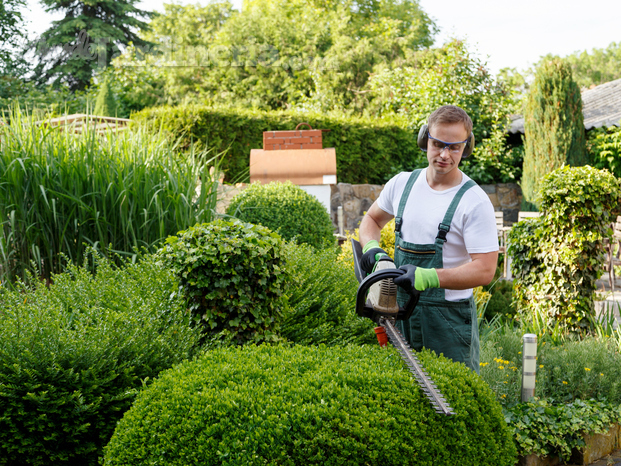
(403, 201)
(445, 226)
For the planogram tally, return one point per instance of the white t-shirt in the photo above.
(473, 228)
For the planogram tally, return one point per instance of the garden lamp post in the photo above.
(529, 366)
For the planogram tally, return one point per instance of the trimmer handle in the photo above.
(363, 310)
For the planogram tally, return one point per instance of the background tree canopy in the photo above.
(279, 54)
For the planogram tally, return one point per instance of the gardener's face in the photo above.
(445, 147)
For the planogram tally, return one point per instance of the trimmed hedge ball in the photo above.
(286, 209)
(310, 406)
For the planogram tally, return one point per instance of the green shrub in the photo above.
(73, 355)
(367, 150)
(310, 405)
(553, 126)
(322, 299)
(604, 146)
(61, 192)
(558, 257)
(285, 209)
(234, 275)
(549, 429)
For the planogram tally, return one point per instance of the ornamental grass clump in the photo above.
(62, 191)
(286, 209)
(73, 356)
(234, 277)
(310, 406)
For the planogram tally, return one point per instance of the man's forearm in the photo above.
(479, 272)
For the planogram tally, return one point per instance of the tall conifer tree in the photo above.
(87, 38)
(553, 127)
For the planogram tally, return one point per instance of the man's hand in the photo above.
(372, 253)
(417, 279)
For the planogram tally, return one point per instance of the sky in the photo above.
(506, 34)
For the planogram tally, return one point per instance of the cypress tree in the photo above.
(105, 105)
(553, 127)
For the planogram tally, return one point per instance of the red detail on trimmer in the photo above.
(382, 338)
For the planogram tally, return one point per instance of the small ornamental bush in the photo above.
(233, 274)
(73, 355)
(558, 257)
(310, 406)
(286, 209)
(322, 299)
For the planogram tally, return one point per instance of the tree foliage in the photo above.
(11, 31)
(105, 104)
(553, 126)
(593, 68)
(451, 75)
(279, 54)
(87, 38)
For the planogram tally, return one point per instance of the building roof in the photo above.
(601, 106)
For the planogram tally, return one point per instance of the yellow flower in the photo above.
(519, 352)
(504, 396)
(564, 382)
(601, 374)
(483, 364)
(540, 366)
(505, 381)
(587, 369)
(501, 367)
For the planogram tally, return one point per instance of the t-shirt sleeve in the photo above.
(385, 201)
(480, 234)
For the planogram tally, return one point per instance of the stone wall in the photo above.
(356, 200)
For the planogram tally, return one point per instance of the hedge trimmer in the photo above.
(377, 299)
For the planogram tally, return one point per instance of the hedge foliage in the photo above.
(367, 150)
(233, 275)
(285, 209)
(310, 405)
(322, 299)
(557, 257)
(73, 355)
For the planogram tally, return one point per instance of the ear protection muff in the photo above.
(423, 139)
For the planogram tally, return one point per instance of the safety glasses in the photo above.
(454, 147)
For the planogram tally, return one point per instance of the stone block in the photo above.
(509, 195)
(488, 188)
(494, 198)
(597, 446)
(372, 191)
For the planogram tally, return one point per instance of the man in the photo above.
(445, 239)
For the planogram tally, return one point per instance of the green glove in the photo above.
(417, 279)
(372, 253)
(426, 278)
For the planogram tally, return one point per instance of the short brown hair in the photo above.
(450, 114)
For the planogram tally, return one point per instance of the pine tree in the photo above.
(105, 104)
(553, 127)
(87, 38)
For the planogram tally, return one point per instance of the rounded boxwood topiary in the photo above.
(286, 209)
(233, 275)
(310, 405)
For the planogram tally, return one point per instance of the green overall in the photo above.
(448, 327)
